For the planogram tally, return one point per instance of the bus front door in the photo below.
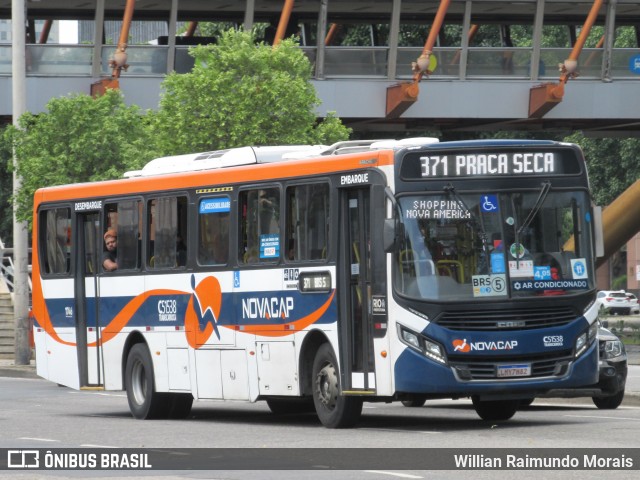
(355, 281)
(86, 292)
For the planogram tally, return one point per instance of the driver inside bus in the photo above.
(110, 256)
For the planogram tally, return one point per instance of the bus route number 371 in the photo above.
(315, 282)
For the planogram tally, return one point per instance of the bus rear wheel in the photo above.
(144, 402)
(333, 409)
(495, 410)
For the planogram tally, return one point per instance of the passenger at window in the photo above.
(110, 256)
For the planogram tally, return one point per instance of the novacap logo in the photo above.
(464, 347)
(461, 346)
(203, 310)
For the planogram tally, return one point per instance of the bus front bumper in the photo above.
(417, 374)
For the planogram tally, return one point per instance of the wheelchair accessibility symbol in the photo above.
(489, 203)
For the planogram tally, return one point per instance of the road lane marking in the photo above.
(78, 392)
(393, 474)
(39, 439)
(602, 416)
(398, 430)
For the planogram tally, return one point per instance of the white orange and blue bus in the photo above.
(324, 277)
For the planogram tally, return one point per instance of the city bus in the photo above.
(317, 278)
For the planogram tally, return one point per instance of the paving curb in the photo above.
(19, 371)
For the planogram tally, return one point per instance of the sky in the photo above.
(68, 31)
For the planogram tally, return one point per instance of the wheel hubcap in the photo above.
(138, 383)
(327, 386)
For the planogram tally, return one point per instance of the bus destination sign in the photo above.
(506, 163)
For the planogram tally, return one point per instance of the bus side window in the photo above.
(259, 226)
(55, 226)
(167, 232)
(124, 218)
(307, 222)
(213, 230)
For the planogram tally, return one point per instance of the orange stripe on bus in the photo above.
(216, 177)
(116, 325)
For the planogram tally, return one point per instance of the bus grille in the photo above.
(556, 364)
(510, 319)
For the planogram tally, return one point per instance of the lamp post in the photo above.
(22, 351)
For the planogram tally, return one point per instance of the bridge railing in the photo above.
(143, 60)
(343, 62)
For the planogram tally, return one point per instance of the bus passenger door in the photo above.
(88, 255)
(355, 319)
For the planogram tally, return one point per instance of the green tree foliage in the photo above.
(626, 37)
(213, 29)
(78, 139)
(612, 162)
(240, 93)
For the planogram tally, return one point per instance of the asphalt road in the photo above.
(37, 414)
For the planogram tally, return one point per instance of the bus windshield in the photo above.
(473, 246)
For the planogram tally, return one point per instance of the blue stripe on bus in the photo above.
(252, 308)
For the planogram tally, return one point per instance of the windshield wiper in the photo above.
(450, 189)
(542, 196)
(546, 186)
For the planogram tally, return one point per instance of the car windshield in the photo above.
(463, 246)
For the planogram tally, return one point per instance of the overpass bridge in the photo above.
(493, 57)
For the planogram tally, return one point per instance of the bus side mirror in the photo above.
(389, 235)
(597, 224)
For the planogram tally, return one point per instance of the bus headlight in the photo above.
(422, 344)
(586, 339)
(581, 344)
(434, 351)
(410, 339)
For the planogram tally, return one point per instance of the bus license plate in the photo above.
(518, 370)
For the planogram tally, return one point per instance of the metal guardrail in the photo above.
(7, 268)
(6, 272)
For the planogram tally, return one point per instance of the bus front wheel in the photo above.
(415, 402)
(144, 402)
(333, 409)
(495, 410)
(609, 403)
